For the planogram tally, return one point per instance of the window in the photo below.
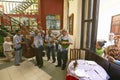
(89, 23)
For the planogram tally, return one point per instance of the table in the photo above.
(91, 70)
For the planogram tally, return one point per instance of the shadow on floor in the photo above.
(6, 64)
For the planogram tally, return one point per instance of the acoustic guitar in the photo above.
(64, 45)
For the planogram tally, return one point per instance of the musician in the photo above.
(62, 55)
(50, 46)
(38, 46)
(41, 31)
(17, 41)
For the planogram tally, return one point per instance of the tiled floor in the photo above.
(28, 71)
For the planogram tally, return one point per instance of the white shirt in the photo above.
(16, 40)
(49, 38)
(7, 46)
(38, 41)
(109, 43)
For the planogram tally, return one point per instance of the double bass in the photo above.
(28, 50)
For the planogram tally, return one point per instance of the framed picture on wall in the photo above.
(115, 24)
(53, 22)
(71, 22)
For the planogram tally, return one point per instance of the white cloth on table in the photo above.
(93, 71)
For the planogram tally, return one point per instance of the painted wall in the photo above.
(108, 8)
(65, 13)
(75, 7)
(51, 7)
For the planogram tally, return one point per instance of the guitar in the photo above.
(63, 43)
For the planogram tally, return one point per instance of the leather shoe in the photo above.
(48, 59)
(17, 64)
(63, 67)
(57, 66)
(40, 66)
(53, 61)
(35, 64)
(22, 60)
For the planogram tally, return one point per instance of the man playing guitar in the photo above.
(62, 56)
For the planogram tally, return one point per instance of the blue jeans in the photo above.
(50, 49)
(18, 56)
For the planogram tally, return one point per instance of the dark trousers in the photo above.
(62, 58)
(50, 49)
(39, 55)
(56, 46)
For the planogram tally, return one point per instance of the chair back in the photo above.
(75, 54)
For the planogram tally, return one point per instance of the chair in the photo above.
(75, 54)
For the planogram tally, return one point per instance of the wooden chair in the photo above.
(75, 54)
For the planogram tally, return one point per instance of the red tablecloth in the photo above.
(69, 77)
